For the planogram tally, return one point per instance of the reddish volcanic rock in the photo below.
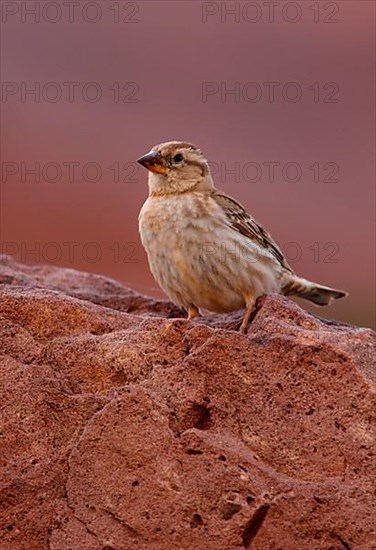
(123, 427)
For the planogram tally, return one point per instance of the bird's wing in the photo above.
(242, 222)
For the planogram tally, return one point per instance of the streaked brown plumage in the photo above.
(204, 249)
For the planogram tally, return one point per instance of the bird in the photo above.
(204, 250)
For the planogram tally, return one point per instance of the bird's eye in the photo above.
(178, 158)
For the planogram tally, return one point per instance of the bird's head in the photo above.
(176, 167)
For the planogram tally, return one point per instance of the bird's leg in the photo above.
(250, 304)
(192, 312)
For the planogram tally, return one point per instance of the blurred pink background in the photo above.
(163, 54)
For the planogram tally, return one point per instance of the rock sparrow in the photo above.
(204, 249)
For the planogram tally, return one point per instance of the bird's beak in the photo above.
(153, 161)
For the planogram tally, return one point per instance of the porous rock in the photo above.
(123, 425)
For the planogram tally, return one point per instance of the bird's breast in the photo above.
(176, 219)
(195, 256)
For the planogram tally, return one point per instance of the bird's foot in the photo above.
(192, 312)
(249, 315)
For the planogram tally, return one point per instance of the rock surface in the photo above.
(123, 427)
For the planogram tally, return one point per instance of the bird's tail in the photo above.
(321, 295)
